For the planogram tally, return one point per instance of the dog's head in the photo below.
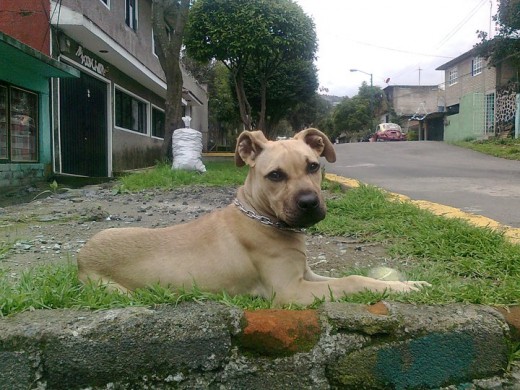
(284, 179)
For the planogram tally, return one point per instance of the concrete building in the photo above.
(417, 108)
(470, 90)
(110, 117)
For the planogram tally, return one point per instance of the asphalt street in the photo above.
(436, 172)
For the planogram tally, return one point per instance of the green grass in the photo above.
(462, 262)
(218, 173)
(499, 147)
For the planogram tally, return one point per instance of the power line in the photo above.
(461, 24)
(402, 51)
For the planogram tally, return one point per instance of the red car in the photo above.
(389, 132)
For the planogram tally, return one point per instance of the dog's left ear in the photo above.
(318, 142)
(249, 145)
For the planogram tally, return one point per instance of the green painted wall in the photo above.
(20, 173)
(467, 124)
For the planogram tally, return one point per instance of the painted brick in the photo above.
(280, 332)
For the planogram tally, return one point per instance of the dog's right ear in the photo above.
(249, 145)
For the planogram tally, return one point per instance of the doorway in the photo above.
(83, 126)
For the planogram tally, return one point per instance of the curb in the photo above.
(209, 345)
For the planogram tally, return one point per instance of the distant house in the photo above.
(470, 93)
(110, 117)
(418, 108)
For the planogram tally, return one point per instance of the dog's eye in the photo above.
(313, 167)
(276, 176)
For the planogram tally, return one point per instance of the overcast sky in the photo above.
(392, 39)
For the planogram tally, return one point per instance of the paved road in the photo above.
(436, 172)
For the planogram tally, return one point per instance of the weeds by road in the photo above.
(462, 262)
(499, 147)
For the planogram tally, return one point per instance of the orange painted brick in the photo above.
(512, 317)
(280, 332)
(378, 308)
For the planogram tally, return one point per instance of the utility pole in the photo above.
(419, 69)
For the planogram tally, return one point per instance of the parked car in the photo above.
(389, 132)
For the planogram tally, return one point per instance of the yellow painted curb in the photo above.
(513, 234)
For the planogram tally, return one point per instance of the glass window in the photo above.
(476, 66)
(106, 2)
(23, 120)
(490, 113)
(452, 76)
(130, 112)
(131, 14)
(158, 120)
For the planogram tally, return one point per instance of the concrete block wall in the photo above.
(12, 175)
(212, 346)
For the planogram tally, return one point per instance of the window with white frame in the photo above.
(131, 14)
(158, 120)
(106, 2)
(476, 66)
(453, 76)
(130, 112)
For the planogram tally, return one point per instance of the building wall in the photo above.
(484, 82)
(112, 21)
(407, 100)
(17, 15)
(128, 149)
(464, 125)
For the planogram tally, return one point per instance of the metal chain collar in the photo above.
(265, 220)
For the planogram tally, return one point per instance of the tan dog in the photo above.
(254, 246)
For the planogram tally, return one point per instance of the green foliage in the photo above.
(356, 115)
(505, 45)
(251, 37)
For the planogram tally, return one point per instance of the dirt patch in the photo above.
(53, 229)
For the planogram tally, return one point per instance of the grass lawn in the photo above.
(462, 262)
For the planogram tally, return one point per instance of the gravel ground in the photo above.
(53, 229)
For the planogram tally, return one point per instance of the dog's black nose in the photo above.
(308, 201)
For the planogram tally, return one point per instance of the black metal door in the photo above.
(83, 126)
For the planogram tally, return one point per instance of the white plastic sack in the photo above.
(187, 150)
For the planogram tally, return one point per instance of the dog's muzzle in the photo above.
(307, 209)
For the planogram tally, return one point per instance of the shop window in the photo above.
(131, 14)
(18, 125)
(130, 112)
(158, 119)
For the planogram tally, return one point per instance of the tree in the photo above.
(250, 35)
(169, 18)
(293, 84)
(356, 114)
(505, 45)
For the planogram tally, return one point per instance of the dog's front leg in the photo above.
(307, 291)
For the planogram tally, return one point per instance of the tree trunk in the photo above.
(263, 107)
(169, 18)
(243, 103)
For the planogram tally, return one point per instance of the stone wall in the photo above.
(212, 346)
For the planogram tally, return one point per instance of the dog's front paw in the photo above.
(407, 286)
